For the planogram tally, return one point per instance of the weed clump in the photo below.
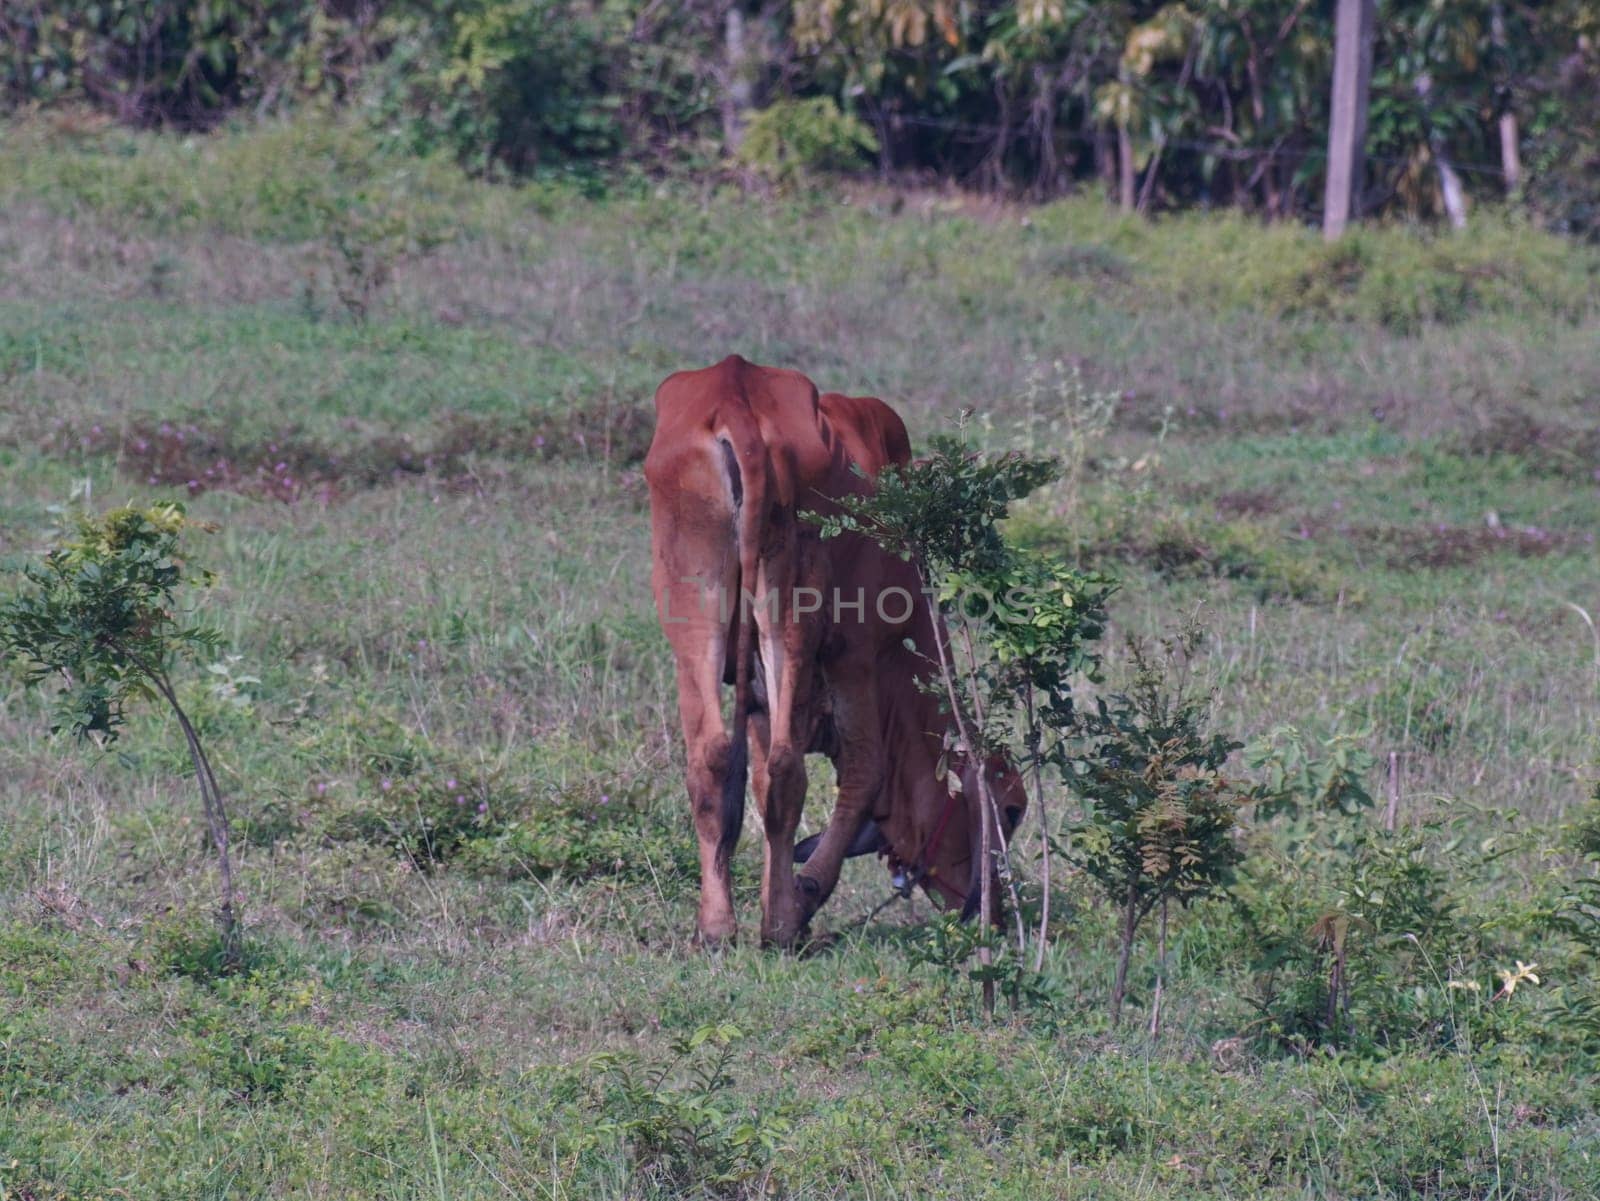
(1541, 449)
(289, 464)
(1389, 277)
(1442, 546)
(411, 799)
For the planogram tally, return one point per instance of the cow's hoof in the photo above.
(713, 938)
(782, 936)
(789, 920)
(809, 893)
(817, 943)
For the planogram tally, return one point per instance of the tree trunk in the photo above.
(1105, 159)
(1510, 153)
(1125, 189)
(1161, 974)
(1452, 191)
(1347, 129)
(738, 94)
(1391, 812)
(1510, 150)
(216, 815)
(1130, 923)
(880, 125)
(1452, 195)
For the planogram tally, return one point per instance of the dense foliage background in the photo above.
(1222, 102)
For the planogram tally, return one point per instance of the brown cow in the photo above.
(750, 595)
(928, 832)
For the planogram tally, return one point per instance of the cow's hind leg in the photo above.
(780, 784)
(709, 766)
(699, 643)
(788, 656)
(784, 911)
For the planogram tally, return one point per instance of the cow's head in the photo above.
(940, 824)
(953, 862)
(1009, 791)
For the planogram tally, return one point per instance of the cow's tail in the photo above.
(748, 504)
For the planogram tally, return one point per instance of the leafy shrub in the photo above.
(580, 838)
(524, 82)
(1336, 961)
(1418, 706)
(540, 86)
(102, 616)
(1575, 914)
(1563, 189)
(366, 236)
(1160, 815)
(256, 1065)
(409, 796)
(793, 138)
(150, 62)
(1303, 787)
(1356, 938)
(1360, 938)
(674, 1118)
(1026, 624)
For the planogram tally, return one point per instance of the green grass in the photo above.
(1376, 549)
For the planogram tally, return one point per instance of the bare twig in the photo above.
(216, 813)
(989, 811)
(1161, 974)
(1593, 633)
(947, 673)
(1044, 831)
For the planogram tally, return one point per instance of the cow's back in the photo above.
(767, 417)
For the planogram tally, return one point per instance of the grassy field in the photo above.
(414, 407)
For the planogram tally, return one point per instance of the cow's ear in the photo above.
(868, 841)
(974, 896)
